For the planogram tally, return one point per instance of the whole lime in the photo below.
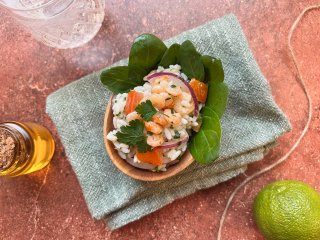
(288, 210)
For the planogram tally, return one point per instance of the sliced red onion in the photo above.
(166, 160)
(175, 142)
(173, 162)
(180, 82)
(131, 154)
(185, 139)
(158, 74)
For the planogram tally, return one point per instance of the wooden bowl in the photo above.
(130, 170)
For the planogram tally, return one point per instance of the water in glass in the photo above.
(59, 23)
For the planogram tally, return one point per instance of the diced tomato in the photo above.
(154, 156)
(133, 101)
(200, 89)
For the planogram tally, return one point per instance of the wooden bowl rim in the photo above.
(129, 170)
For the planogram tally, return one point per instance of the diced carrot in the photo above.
(200, 89)
(133, 101)
(153, 157)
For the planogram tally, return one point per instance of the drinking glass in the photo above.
(59, 23)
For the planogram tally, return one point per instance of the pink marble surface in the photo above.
(49, 204)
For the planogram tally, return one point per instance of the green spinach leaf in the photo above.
(170, 57)
(146, 52)
(205, 144)
(213, 69)
(217, 97)
(116, 79)
(136, 74)
(211, 120)
(190, 61)
(218, 90)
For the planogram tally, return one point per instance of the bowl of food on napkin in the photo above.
(165, 109)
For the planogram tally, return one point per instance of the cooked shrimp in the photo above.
(155, 140)
(160, 80)
(158, 101)
(133, 116)
(184, 109)
(186, 96)
(164, 82)
(173, 89)
(174, 118)
(160, 119)
(153, 127)
(157, 89)
(184, 104)
(169, 100)
(159, 84)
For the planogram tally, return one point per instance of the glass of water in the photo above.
(59, 23)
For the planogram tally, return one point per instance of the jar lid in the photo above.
(8, 148)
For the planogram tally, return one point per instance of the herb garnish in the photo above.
(176, 134)
(156, 169)
(133, 135)
(146, 110)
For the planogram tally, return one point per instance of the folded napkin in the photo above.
(251, 124)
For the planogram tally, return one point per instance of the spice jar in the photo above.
(24, 148)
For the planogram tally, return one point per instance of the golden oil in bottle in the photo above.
(24, 148)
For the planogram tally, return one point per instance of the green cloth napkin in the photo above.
(251, 124)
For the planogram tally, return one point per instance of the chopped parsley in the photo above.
(146, 110)
(156, 169)
(176, 134)
(168, 98)
(173, 86)
(133, 135)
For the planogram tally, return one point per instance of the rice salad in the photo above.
(177, 114)
(156, 103)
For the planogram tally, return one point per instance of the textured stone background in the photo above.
(35, 207)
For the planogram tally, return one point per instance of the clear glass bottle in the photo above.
(24, 148)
